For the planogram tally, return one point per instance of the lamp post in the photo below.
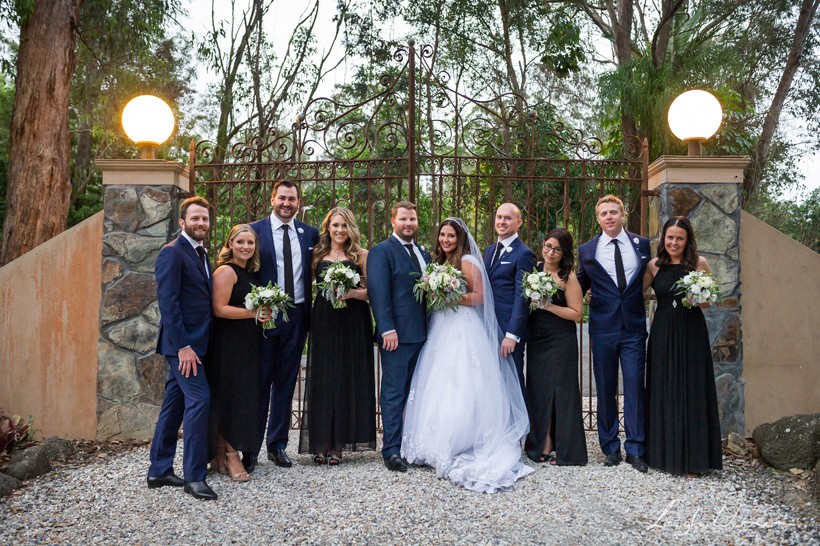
(694, 117)
(149, 122)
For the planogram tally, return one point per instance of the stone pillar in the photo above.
(707, 191)
(141, 201)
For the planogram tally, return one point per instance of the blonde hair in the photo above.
(609, 198)
(226, 253)
(353, 247)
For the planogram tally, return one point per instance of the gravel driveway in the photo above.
(360, 501)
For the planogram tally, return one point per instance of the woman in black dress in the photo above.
(233, 365)
(683, 428)
(339, 411)
(556, 424)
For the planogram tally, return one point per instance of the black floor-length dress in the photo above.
(232, 368)
(683, 427)
(552, 387)
(339, 411)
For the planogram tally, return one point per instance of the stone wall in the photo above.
(714, 210)
(138, 221)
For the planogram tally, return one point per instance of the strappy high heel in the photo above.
(241, 476)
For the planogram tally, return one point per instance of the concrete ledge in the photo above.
(696, 170)
(144, 172)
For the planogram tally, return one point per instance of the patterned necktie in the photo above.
(409, 247)
(619, 266)
(288, 256)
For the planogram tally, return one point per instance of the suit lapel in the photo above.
(186, 245)
(401, 248)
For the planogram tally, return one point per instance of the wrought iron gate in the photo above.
(420, 136)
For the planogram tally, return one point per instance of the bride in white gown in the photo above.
(465, 415)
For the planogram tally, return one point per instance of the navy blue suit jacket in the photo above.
(390, 282)
(184, 297)
(308, 238)
(511, 308)
(609, 310)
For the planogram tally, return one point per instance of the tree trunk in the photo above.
(39, 185)
(754, 174)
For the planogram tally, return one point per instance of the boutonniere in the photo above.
(422, 247)
(300, 230)
(635, 240)
(508, 249)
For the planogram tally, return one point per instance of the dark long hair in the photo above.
(462, 245)
(689, 260)
(568, 256)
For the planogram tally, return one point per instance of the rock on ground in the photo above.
(790, 442)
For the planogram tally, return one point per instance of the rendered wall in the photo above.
(780, 309)
(49, 326)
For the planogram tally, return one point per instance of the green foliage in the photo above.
(799, 220)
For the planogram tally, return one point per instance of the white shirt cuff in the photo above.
(513, 337)
(388, 332)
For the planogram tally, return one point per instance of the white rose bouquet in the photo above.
(697, 287)
(337, 281)
(539, 287)
(443, 284)
(271, 296)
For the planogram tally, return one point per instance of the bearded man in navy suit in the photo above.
(507, 261)
(393, 267)
(612, 265)
(285, 254)
(184, 296)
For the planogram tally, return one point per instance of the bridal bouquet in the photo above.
(336, 282)
(539, 287)
(443, 284)
(697, 287)
(271, 296)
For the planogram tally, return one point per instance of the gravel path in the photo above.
(360, 501)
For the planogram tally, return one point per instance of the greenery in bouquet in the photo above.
(271, 296)
(338, 280)
(697, 287)
(538, 287)
(443, 284)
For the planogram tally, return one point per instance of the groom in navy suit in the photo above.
(612, 265)
(393, 267)
(285, 254)
(507, 261)
(184, 297)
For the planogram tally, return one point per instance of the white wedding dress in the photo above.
(465, 415)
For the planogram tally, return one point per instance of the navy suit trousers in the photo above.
(630, 349)
(187, 400)
(281, 358)
(397, 372)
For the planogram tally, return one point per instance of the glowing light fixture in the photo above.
(149, 122)
(694, 117)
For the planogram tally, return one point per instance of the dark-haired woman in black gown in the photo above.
(556, 425)
(339, 411)
(683, 427)
(233, 365)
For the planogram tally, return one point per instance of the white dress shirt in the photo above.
(296, 255)
(605, 255)
(197, 244)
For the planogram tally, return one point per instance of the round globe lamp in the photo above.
(694, 117)
(149, 122)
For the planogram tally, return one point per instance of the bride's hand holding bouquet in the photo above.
(443, 284)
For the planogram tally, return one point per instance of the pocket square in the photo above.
(504, 263)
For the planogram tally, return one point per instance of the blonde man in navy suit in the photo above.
(611, 266)
(285, 253)
(507, 260)
(184, 295)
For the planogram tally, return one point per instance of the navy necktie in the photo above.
(203, 257)
(497, 254)
(619, 266)
(409, 247)
(288, 256)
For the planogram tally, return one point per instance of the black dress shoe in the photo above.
(249, 462)
(396, 463)
(199, 490)
(280, 458)
(171, 480)
(613, 459)
(637, 463)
